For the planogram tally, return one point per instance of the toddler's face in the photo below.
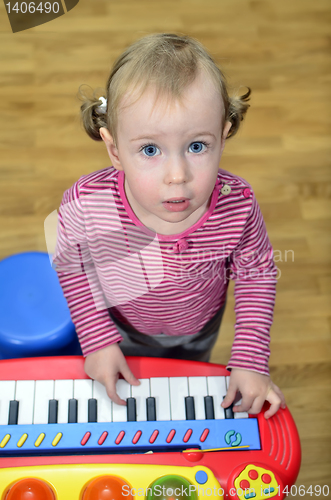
(170, 154)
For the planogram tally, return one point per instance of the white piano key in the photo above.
(44, 391)
(197, 387)
(217, 389)
(82, 392)
(141, 393)
(178, 393)
(63, 391)
(124, 392)
(25, 395)
(104, 403)
(7, 394)
(160, 390)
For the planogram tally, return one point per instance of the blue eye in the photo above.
(150, 150)
(197, 147)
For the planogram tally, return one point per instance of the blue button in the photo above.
(201, 477)
(269, 490)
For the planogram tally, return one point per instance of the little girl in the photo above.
(146, 247)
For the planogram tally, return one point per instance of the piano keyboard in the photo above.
(25, 402)
(161, 413)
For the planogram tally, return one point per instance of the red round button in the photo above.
(266, 478)
(193, 455)
(30, 489)
(253, 474)
(246, 192)
(244, 484)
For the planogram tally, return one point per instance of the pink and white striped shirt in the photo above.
(174, 284)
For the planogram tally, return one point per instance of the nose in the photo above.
(176, 170)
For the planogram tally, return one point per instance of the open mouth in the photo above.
(175, 201)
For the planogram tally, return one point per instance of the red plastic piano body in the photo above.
(279, 457)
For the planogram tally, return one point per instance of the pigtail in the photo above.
(238, 107)
(91, 115)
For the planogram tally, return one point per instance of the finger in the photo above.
(245, 405)
(281, 395)
(275, 403)
(256, 406)
(128, 375)
(229, 398)
(112, 394)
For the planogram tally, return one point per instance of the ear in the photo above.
(111, 147)
(226, 129)
(225, 132)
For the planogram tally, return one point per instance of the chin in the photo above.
(176, 217)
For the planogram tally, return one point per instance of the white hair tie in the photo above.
(102, 109)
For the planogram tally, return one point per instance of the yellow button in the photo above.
(57, 439)
(22, 440)
(226, 189)
(40, 439)
(5, 440)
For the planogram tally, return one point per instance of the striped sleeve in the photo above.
(253, 269)
(78, 278)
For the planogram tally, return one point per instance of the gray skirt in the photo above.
(196, 347)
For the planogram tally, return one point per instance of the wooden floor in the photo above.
(281, 49)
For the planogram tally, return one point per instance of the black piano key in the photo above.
(209, 407)
(131, 409)
(13, 412)
(92, 410)
(52, 411)
(189, 408)
(151, 409)
(72, 411)
(228, 412)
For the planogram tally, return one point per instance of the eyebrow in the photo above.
(154, 137)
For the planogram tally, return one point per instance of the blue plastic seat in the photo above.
(34, 315)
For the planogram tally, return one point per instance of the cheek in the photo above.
(206, 182)
(144, 187)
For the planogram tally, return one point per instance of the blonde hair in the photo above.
(170, 63)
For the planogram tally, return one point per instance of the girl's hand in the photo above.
(105, 366)
(255, 389)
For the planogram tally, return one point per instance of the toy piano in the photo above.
(61, 438)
